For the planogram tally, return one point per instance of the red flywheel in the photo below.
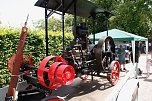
(53, 72)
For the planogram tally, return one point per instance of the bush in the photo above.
(34, 46)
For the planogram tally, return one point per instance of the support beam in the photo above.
(46, 27)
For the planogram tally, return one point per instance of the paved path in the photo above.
(145, 84)
(99, 89)
(96, 90)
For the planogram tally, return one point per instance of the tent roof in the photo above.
(119, 35)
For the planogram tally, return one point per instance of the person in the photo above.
(121, 55)
(143, 49)
(148, 64)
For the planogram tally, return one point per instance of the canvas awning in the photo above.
(84, 8)
(118, 35)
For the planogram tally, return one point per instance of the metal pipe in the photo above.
(62, 1)
(93, 30)
(107, 25)
(75, 23)
(46, 27)
(54, 11)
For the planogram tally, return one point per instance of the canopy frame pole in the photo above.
(63, 13)
(75, 20)
(107, 26)
(94, 30)
(107, 15)
(46, 26)
(54, 11)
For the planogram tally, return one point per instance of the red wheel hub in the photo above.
(65, 74)
(115, 72)
(55, 74)
(25, 57)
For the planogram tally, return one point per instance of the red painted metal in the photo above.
(57, 73)
(17, 61)
(65, 74)
(29, 62)
(42, 68)
(51, 75)
(84, 77)
(26, 57)
(115, 72)
(11, 62)
(60, 59)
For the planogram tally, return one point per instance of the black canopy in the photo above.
(84, 8)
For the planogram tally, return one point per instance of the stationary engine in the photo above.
(88, 58)
(80, 59)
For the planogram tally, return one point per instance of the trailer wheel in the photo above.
(113, 75)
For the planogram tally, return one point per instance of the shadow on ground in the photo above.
(81, 87)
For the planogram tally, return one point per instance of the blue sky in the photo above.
(14, 12)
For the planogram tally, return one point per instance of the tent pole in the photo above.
(133, 53)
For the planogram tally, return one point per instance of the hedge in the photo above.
(34, 46)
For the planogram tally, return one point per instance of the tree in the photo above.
(134, 17)
(53, 24)
(102, 19)
(40, 24)
(68, 22)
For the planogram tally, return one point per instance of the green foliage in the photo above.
(134, 17)
(34, 46)
(53, 24)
